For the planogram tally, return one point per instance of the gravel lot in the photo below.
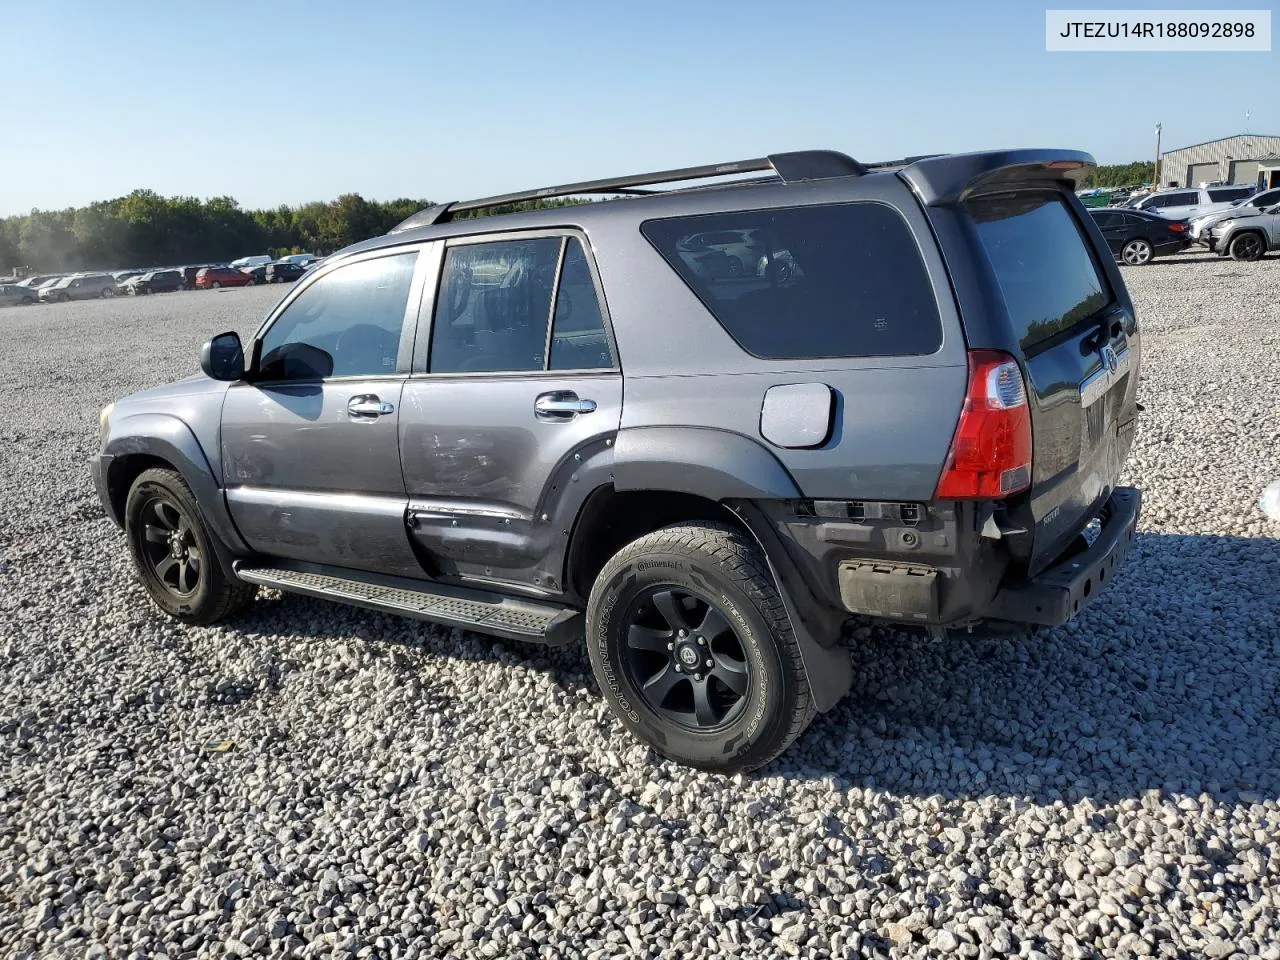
(395, 790)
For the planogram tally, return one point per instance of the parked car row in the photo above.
(1246, 230)
(61, 288)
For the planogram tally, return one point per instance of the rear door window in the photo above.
(1042, 263)
(1223, 194)
(842, 280)
(1189, 199)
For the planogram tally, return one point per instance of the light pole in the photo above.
(1155, 177)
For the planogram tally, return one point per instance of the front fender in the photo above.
(166, 437)
(715, 464)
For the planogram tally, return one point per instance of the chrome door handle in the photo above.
(368, 405)
(561, 405)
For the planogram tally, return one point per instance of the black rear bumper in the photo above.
(1060, 592)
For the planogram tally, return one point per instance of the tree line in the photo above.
(1121, 174)
(146, 229)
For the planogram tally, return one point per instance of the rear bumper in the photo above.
(936, 568)
(1062, 591)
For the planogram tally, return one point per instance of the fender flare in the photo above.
(168, 438)
(714, 464)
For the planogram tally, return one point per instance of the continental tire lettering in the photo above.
(650, 564)
(753, 647)
(606, 665)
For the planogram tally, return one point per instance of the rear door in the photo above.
(516, 387)
(1078, 343)
(1113, 227)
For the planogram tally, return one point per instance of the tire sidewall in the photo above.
(744, 743)
(184, 608)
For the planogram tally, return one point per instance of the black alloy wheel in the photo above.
(170, 547)
(685, 659)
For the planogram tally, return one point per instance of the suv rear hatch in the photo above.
(1034, 279)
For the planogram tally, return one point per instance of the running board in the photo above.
(480, 610)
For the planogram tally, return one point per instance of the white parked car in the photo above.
(1187, 202)
(1200, 226)
(249, 262)
(301, 259)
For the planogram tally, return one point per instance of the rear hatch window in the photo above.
(842, 280)
(1042, 263)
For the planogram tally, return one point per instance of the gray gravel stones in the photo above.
(1110, 789)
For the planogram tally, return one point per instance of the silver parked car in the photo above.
(12, 293)
(1200, 227)
(85, 286)
(1248, 238)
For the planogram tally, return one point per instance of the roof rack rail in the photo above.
(787, 167)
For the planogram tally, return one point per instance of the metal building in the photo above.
(1231, 159)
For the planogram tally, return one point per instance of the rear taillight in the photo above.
(990, 453)
(1177, 227)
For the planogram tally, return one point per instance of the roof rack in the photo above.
(786, 167)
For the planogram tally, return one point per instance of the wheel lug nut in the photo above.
(682, 633)
(671, 646)
(679, 669)
(697, 676)
(710, 664)
(702, 641)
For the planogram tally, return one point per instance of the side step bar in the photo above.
(532, 621)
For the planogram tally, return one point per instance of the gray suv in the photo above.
(569, 424)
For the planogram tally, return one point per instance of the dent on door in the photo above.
(491, 468)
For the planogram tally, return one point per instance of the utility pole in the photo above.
(1155, 176)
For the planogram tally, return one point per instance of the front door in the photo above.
(310, 455)
(515, 395)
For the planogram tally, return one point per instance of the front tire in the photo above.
(694, 651)
(173, 551)
(216, 284)
(1247, 246)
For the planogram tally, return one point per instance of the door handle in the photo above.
(561, 405)
(368, 405)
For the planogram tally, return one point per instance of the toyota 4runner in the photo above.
(700, 427)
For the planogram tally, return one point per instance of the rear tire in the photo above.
(216, 284)
(173, 551)
(748, 697)
(1137, 252)
(1247, 247)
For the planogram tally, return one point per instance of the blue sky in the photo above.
(288, 102)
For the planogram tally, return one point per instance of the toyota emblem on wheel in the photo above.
(689, 656)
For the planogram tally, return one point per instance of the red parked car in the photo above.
(212, 277)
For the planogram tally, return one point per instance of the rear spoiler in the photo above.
(952, 178)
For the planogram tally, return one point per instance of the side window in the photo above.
(346, 324)
(578, 338)
(839, 280)
(494, 305)
(1104, 220)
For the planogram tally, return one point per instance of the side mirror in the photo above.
(222, 358)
